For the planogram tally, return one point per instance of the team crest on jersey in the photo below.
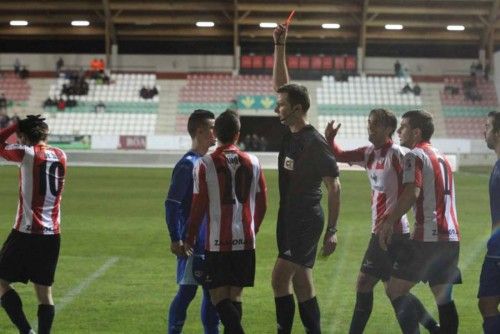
(232, 158)
(409, 164)
(288, 164)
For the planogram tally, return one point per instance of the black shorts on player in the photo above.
(235, 268)
(29, 257)
(433, 262)
(377, 262)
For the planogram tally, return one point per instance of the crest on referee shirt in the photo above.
(288, 164)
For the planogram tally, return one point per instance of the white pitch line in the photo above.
(73, 293)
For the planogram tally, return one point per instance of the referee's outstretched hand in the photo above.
(329, 243)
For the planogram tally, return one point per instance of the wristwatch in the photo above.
(331, 229)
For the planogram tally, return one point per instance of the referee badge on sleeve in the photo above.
(288, 164)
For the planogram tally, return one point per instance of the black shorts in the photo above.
(433, 262)
(236, 268)
(29, 257)
(298, 239)
(377, 262)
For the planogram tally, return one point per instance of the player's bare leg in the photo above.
(282, 277)
(488, 306)
(46, 309)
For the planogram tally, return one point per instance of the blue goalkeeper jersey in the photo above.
(494, 242)
(178, 202)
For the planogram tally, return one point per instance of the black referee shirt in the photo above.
(304, 159)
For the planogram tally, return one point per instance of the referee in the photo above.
(305, 160)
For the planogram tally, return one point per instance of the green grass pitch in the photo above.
(117, 275)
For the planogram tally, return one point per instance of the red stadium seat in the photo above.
(269, 62)
(350, 63)
(304, 62)
(246, 62)
(339, 62)
(257, 62)
(316, 62)
(327, 63)
(293, 62)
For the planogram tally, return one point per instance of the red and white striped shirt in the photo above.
(41, 181)
(435, 213)
(228, 185)
(385, 173)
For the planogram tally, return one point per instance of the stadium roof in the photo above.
(361, 21)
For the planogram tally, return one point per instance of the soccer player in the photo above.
(229, 185)
(304, 161)
(432, 253)
(489, 286)
(177, 206)
(31, 250)
(383, 162)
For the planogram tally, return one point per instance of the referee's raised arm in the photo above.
(280, 71)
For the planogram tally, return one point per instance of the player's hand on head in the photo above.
(331, 130)
(329, 243)
(279, 34)
(29, 122)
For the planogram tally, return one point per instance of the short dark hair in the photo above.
(496, 120)
(197, 119)
(386, 118)
(227, 125)
(297, 94)
(36, 132)
(421, 119)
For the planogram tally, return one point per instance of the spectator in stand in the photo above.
(397, 69)
(4, 120)
(71, 103)
(406, 89)
(148, 93)
(154, 91)
(24, 73)
(143, 92)
(247, 142)
(100, 108)
(3, 102)
(59, 65)
(101, 65)
(61, 104)
(263, 143)
(473, 68)
(256, 145)
(94, 65)
(49, 103)
(417, 90)
(17, 66)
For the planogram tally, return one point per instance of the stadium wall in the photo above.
(217, 63)
(497, 72)
(165, 151)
